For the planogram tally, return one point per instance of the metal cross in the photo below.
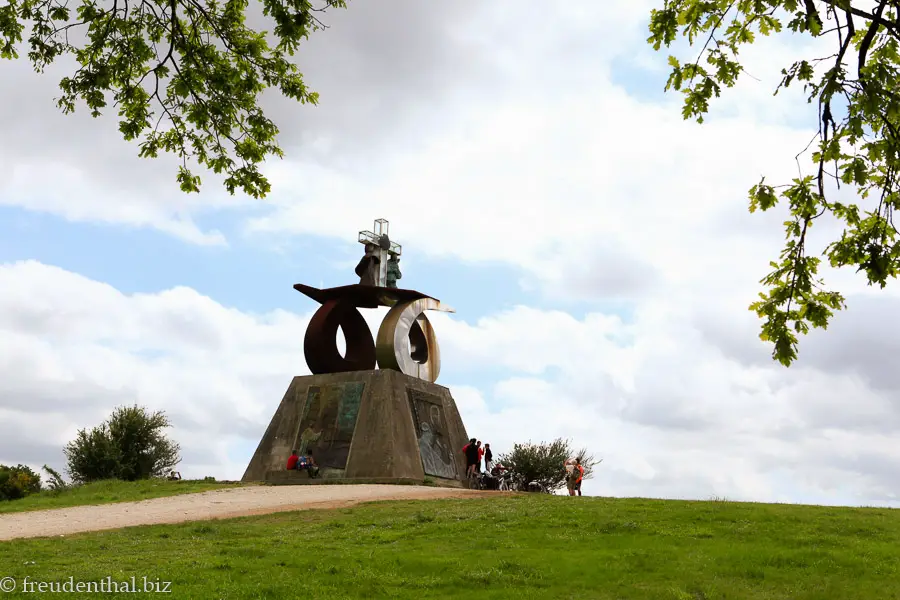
(385, 247)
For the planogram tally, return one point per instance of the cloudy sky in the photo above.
(597, 249)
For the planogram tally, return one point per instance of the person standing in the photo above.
(579, 472)
(488, 458)
(571, 476)
(471, 452)
(480, 455)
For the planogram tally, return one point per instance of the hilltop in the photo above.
(504, 546)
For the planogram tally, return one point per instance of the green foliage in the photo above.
(185, 76)
(55, 483)
(858, 145)
(130, 445)
(18, 482)
(110, 491)
(545, 462)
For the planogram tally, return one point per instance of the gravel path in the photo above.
(217, 504)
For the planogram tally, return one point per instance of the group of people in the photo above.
(474, 453)
(296, 462)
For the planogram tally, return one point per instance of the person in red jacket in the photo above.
(471, 452)
(480, 455)
(292, 460)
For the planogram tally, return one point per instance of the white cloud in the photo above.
(516, 147)
(74, 348)
(670, 415)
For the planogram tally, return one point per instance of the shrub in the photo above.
(130, 445)
(18, 482)
(544, 462)
(55, 482)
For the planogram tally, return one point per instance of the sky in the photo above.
(596, 247)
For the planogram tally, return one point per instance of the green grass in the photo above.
(506, 547)
(104, 492)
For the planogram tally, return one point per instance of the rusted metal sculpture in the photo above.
(406, 341)
(320, 343)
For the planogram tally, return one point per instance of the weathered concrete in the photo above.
(389, 421)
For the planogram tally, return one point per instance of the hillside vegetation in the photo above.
(530, 546)
(104, 492)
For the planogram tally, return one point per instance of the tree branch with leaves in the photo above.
(185, 76)
(856, 144)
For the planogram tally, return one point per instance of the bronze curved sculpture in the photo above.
(406, 341)
(320, 344)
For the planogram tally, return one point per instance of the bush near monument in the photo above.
(130, 445)
(18, 482)
(544, 462)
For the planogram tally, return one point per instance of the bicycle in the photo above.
(474, 480)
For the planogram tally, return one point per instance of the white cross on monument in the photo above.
(379, 237)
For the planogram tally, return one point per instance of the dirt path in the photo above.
(217, 504)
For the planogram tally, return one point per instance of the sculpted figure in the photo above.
(393, 271)
(307, 439)
(369, 266)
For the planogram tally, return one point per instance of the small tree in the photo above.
(91, 456)
(55, 481)
(544, 462)
(17, 482)
(130, 445)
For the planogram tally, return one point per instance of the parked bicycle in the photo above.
(474, 481)
(507, 481)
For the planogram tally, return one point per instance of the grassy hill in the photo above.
(104, 492)
(505, 547)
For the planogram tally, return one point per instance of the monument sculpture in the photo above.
(391, 423)
(393, 270)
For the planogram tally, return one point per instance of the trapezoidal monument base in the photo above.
(364, 426)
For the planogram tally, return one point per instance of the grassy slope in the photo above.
(103, 492)
(508, 547)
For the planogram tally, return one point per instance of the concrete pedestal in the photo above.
(364, 426)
